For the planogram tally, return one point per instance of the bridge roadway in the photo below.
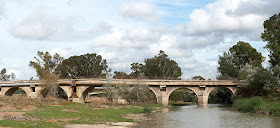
(77, 89)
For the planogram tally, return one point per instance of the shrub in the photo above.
(147, 109)
(249, 105)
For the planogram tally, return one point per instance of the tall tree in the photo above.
(233, 61)
(137, 70)
(161, 66)
(6, 77)
(271, 34)
(45, 63)
(87, 65)
(45, 66)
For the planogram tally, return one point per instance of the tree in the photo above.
(137, 70)
(45, 67)
(120, 75)
(271, 34)
(6, 77)
(45, 63)
(198, 78)
(233, 61)
(85, 66)
(258, 79)
(161, 67)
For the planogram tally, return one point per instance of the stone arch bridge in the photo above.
(77, 89)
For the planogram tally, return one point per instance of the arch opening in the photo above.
(16, 91)
(182, 97)
(220, 95)
(57, 92)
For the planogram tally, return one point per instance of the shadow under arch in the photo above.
(163, 96)
(45, 90)
(12, 90)
(221, 95)
(182, 93)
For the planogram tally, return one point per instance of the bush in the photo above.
(147, 109)
(257, 105)
(248, 105)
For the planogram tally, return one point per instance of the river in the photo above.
(214, 116)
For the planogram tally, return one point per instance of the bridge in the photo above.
(77, 89)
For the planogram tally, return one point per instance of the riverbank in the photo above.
(258, 105)
(69, 114)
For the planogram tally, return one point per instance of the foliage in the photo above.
(45, 67)
(147, 109)
(182, 95)
(271, 34)
(45, 63)
(133, 94)
(257, 105)
(161, 67)
(261, 81)
(220, 96)
(120, 75)
(85, 66)
(233, 61)
(6, 77)
(248, 105)
(137, 70)
(198, 78)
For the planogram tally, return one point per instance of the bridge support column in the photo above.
(202, 100)
(162, 93)
(203, 96)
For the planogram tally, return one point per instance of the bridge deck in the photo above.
(151, 82)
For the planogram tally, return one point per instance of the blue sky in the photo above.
(193, 33)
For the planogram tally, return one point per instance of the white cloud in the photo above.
(61, 51)
(2, 5)
(38, 26)
(141, 10)
(135, 38)
(47, 26)
(224, 17)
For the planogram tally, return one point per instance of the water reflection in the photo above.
(214, 116)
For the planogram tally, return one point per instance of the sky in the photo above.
(192, 32)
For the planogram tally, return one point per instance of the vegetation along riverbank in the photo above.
(26, 113)
(258, 105)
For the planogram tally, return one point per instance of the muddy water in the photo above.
(214, 116)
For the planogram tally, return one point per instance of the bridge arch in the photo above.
(195, 90)
(224, 97)
(10, 91)
(45, 90)
(84, 91)
(186, 90)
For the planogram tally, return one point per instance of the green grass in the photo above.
(73, 113)
(257, 105)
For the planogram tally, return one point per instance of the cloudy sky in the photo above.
(192, 32)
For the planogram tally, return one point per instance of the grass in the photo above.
(18, 101)
(60, 114)
(257, 105)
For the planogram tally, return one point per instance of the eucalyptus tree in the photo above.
(83, 66)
